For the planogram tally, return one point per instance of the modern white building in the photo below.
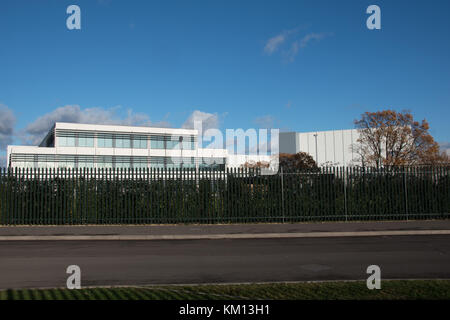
(328, 148)
(74, 145)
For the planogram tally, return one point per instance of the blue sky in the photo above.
(296, 65)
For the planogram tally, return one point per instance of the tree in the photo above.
(393, 138)
(361, 151)
(254, 165)
(301, 160)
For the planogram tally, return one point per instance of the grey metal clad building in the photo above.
(332, 148)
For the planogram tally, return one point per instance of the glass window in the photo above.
(140, 165)
(62, 141)
(188, 145)
(85, 142)
(157, 144)
(81, 141)
(66, 141)
(140, 143)
(104, 142)
(105, 162)
(123, 143)
(173, 145)
(70, 141)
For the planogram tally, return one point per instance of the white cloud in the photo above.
(36, 131)
(293, 46)
(302, 43)
(7, 122)
(267, 122)
(212, 136)
(292, 52)
(275, 42)
(445, 147)
(312, 37)
(2, 161)
(209, 120)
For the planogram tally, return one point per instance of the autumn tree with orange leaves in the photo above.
(390, 138)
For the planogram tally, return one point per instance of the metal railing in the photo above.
(146, 196)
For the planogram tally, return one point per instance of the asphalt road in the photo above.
(33, 264)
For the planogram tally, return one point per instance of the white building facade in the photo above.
(328, 148)
(78, 146)
(74, 145)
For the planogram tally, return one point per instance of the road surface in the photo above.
(33, 264)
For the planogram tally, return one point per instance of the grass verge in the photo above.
(390, 290)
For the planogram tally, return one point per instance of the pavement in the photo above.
(231, 231)
(37, 264)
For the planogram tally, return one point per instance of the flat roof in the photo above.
(122, 128)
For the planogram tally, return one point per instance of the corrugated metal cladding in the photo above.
(333, 147)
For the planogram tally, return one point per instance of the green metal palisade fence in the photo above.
(106, 196)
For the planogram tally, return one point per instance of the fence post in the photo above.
(344, 171)
(406, 193)
(282, 193)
